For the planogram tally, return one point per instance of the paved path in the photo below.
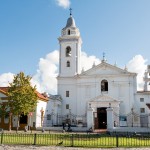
(23, 147)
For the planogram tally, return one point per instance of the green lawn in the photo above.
(76, 140)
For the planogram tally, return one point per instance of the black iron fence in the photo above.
(54, 119)
(132, 119)
(78, 140)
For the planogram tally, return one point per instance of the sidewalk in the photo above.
(24, 147)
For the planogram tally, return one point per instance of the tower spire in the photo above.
(70, 11)
(103, 55)
(104, 59)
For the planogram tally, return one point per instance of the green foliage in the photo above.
(22, 96)
(4, 109)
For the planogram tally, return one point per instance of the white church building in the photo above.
(103, 97)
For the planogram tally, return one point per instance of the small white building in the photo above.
(33, 119)
(53, 116)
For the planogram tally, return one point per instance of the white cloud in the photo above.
(138, 65)
(87, 61)
(45, 78)
(5, 79)
(63, 3)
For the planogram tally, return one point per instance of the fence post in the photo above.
(117, 137)
(34, 139)
(2, 138)
(72, 140)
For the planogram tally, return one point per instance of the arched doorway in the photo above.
(23, 121)
(101, 119)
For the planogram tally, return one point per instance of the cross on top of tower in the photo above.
(103, 56)
(70, 11)
(104, 59)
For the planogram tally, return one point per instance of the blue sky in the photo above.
(29, 30)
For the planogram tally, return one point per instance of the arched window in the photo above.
(68, 51)
(104, 85)
(68, 64)
(68, 32)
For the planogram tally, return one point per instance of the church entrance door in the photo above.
(102, 117)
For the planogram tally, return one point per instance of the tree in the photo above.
(22, 96)
(3, 109)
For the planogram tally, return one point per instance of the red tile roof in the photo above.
(41, 96)
(4, 90)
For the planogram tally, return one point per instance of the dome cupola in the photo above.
(70, 22)
(70, 29)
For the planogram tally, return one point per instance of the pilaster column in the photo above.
(90, 122)
(110, 118)
(149, 120)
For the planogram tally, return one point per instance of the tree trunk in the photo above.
(10, 121)
(18, 123)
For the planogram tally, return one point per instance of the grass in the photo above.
(76, 140)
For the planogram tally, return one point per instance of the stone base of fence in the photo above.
(73, 129)
(130, 129)
(85, 129)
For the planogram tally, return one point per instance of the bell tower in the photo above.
(147, 79)
(70, 49)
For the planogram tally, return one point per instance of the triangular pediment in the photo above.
(104, 98)
(106, 69)
(103, 101)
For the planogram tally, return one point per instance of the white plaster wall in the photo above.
(74, 59)
(68, 84)
(54, 109)
(139, 104)
(82, 89)
(119, 90)
(41, 105)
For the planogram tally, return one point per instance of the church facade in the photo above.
(101, 97)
